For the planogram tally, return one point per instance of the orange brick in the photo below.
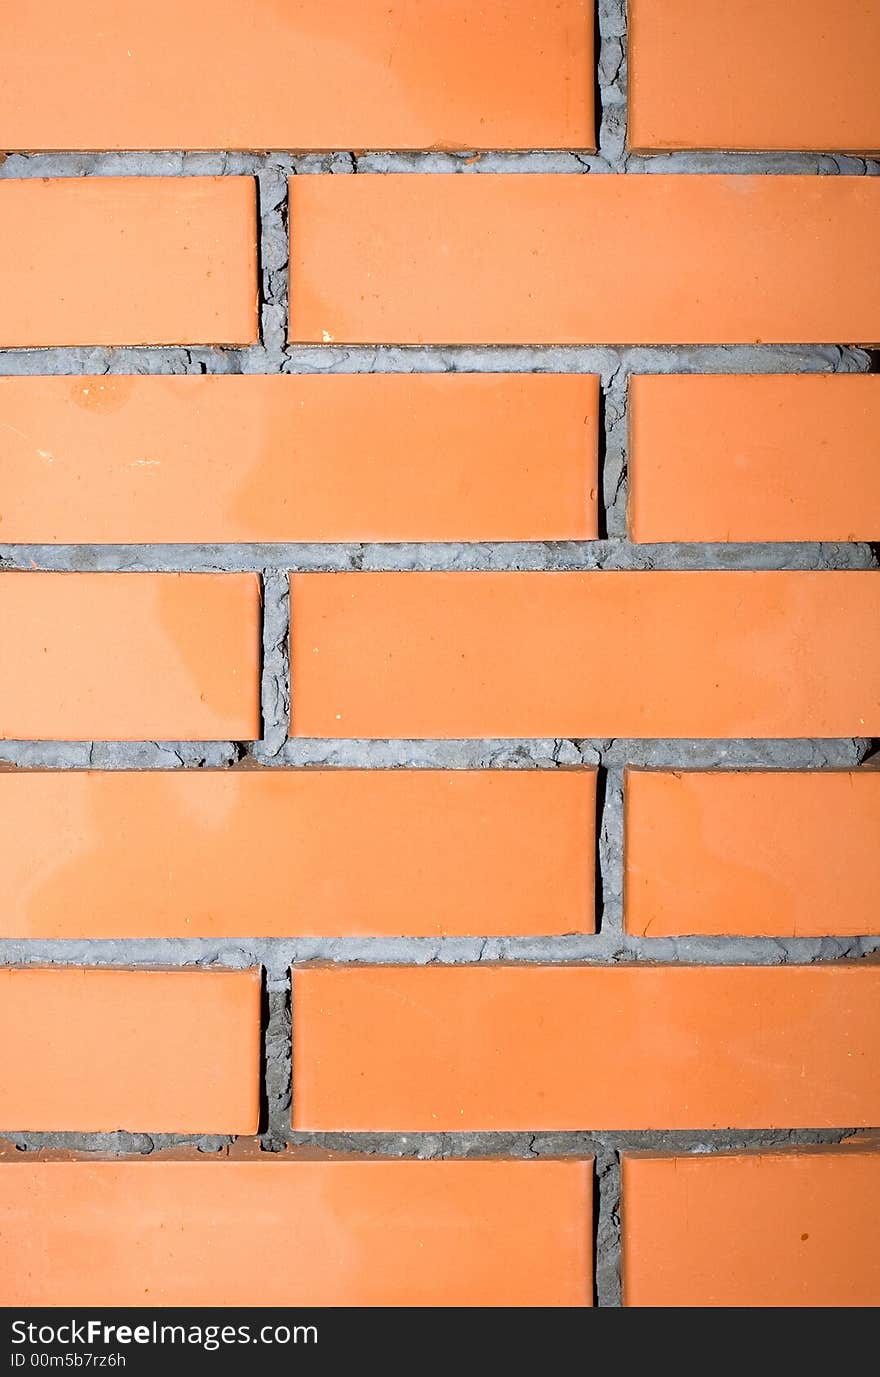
(355, 853)
(760, 75)
(91, 1050)
(754, 458)
(751, 854)
(343, 1232)
(298, 458)
(526, 259)
(586, 654)
(440, 1048)
(128, 260)
(752, 1229)
(157, 657)
(356, 74)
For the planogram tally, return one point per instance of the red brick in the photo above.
(762, 457)
(354, 74)
(761, 75)
(367, 853)
(752, 1229)
(91, 1051)
(155, 657)
(298, 458)
(507, 1048)
(752, 854)
(363, 1233)
(128, 260)
(586, 654)
(556, 259)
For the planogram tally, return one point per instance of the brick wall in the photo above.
(440, 657)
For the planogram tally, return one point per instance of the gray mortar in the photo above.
(614, 365)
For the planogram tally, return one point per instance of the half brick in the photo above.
(356, 853)
(752, 1229)
(157, 657)
(339, 1232)
(752, 853)
(769, 457)
(528, 259)
(91, 1051)
(666, 654)
(356, 74)
(378, 457)
(708, 74)
(504, 1048)
(128, 260)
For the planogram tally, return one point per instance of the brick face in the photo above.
(516, 259)
(768, 854)
(761, 75)
(299, 458)
(752, 1229)
(128, 260)
(538, 1047)
(338, 1233)
(443, 73)
(130, 656)
(733, 458)
(149, 1051)
(585, 654)
(360, 853)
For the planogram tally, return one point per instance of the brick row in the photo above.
(751, 853)
(357, 74)
(732, 1229)
(355, 853)
(701, 75)
(161, 657)
(298, 458)
(431, 259)
(92, 1051)
(445, 1049)
(128, 260)
(761, 75)
(424, 457)
(556, 259)
(752, 1229)
(771, 457)
(176, 656)
(665, 654)
(433, 853)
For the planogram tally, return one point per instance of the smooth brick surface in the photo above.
(355, 853)
(435, 1049)
(158, 657)
(752, 1229)
(757, 74)
(128, 260)
(759, 457)
(337, 1232)
(527, 259)
(298, 458)
(150, 1051)
(586, 654)
(756, 853)
(305, 75)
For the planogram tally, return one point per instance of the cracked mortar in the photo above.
(613, 551)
